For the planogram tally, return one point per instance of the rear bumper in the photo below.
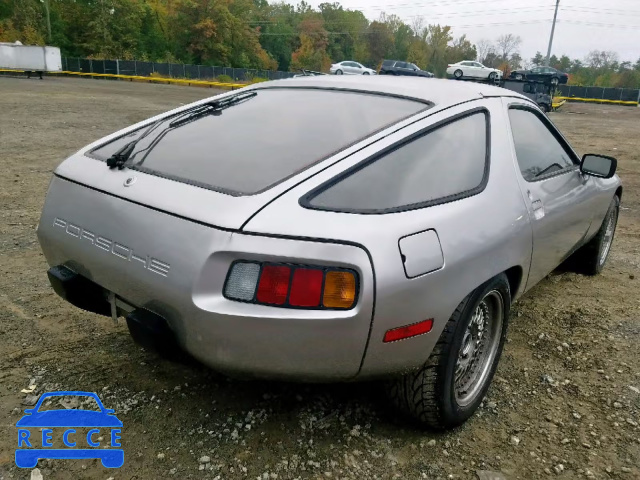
(176, 269)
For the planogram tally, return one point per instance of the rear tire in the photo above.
(450, 386)
(592, 257)
(457, 74)
(519, 76)
(555, 81)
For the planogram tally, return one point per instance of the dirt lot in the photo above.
(565, 403)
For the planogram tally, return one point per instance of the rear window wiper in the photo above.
(119, 158)
(211, 108)
(215, 107)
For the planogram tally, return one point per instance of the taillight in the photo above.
(292, 286)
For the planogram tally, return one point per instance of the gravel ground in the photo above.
(565, 402)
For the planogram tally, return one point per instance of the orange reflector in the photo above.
(408, 331)
(339, 289)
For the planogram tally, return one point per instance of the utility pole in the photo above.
(46, 9)
(553, 29)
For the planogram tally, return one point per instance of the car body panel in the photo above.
(112, 235)
(108, 239)
(563, 208)
(466, 229)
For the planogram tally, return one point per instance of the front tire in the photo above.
(450, 386)
(338, 72)
(591, 258)
(555, 81)
(458, 74)
(519, 76)
(366, 73)
(492, 76)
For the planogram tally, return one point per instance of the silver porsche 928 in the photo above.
(331, 229)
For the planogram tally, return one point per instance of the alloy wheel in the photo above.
(479, 348)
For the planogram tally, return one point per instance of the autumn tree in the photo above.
(312, 53)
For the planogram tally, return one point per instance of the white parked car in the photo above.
(469, 69)
(350, 68)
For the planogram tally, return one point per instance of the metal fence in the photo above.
(601, 93)
(174, 70)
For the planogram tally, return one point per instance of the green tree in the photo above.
(461, 49)
(538, 59)
(380, 42)
(437, 42)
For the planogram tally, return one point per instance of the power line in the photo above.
(472, 13)
(606, 11)
(598, 24)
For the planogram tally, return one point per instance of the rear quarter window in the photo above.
(448, 162)
(260, 142)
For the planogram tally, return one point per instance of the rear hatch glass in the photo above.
(260, 141)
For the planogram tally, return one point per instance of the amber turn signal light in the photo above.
(339, 289)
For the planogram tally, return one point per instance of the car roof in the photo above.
(439, 92)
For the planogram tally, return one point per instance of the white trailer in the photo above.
(30, 58)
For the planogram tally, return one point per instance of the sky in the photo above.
(583, 25)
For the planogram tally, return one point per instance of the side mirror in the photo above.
(598, 166)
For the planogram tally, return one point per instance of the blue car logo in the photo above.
(36, 444)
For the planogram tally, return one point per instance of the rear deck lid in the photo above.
(219, 161)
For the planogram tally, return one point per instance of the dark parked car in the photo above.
(396, 67)
(541, 73)
(536, 91)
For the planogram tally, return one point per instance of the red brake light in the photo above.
(306, 287)
(274, 284)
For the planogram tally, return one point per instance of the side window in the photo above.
(401, 65)
(538, 151)
(444, 164)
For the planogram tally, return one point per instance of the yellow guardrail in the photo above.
(556, 105)
(597, 100)
(137, 78)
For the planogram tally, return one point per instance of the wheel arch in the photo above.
(514, 275)
(619, 192)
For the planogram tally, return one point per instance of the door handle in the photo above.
(536, 206)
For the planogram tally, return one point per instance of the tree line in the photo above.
(262, 35)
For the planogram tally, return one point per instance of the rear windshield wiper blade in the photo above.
(214, 107)
(119, 158)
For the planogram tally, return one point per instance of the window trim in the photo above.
(305, 200)
(556, 134)
(139, 165)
